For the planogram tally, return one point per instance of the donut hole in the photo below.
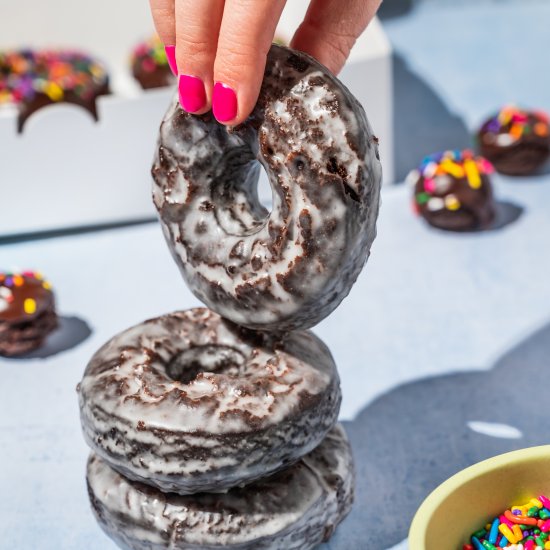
(219, 359)
(235, 193)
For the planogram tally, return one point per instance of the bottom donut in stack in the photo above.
(209, 435)
(295, 509)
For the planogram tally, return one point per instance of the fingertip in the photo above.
(245, 38)
(225, 105)
(238, 78)
(192, 94)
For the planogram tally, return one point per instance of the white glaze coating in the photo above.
(254, 402)
(293, 510)
(291, 268)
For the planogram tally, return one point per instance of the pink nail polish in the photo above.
(224, 102)
(171, 55)
(192, 93)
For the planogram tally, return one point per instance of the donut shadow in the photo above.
(394, 8)
(71, 332)
(413, 438)
(423, 124)
(506, 213)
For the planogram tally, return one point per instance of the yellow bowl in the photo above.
(475, 496)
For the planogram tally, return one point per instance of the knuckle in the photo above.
(233, 61)
(193, 46)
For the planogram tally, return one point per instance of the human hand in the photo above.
(220, 46)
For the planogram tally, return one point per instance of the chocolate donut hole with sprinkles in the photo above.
(149, 64)
(452, 191)
(516, 141)
(27, 312)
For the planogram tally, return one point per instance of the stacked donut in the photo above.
(216, 428)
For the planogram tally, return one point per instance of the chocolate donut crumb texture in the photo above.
(296, 509)
(516, 141)
(290, 268)
(452, 191)
(150, 65)
(27, 312)
(34, 79)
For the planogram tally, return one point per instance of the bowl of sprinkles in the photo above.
(516, 141)
(503, 502)
(453, 191)
(33, 79)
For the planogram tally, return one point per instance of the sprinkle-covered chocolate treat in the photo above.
(27, 312)
(150, 65)
(516, 141)
(452, 191)
(34, 79)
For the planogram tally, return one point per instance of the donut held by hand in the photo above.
(288, 269)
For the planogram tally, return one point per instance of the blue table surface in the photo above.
(429, 303)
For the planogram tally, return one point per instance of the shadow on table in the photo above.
(506, 213)
(410, 440)
(71, 332)
(394, 8)
(422, 122)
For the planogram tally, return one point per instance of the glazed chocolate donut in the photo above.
(292, 510)
(291, 268)
(190, 402)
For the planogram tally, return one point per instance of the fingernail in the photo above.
(171, 55)
(192, 93)
(224, 102)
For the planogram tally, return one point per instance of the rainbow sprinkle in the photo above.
(149, 55)
(9, 281)
(522, 527)
(26, 73)
(439, 170)
(511, 123)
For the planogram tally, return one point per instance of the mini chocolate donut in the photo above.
(150, 65)
(190, 402)
(516, 141)
(296, 509)
(452, 191)
(290, 268)
(34, 79)
(27, 312)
